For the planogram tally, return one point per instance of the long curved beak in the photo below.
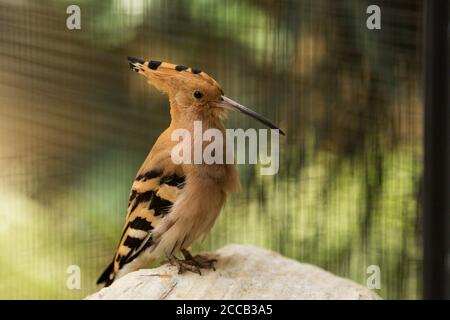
(230, 104)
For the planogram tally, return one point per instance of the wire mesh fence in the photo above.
(75, 125)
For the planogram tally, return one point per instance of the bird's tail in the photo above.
(107, 277)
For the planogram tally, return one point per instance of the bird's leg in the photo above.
(201, 262)
(183, 265)
(186, 254)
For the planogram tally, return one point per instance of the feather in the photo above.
(151, 197)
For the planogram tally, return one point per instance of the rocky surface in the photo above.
(243, 272)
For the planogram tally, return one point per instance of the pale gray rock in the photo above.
(242, 272)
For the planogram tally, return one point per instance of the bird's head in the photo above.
(191, 89)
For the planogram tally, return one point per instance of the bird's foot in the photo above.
(199, 261)
(184, 265)
(203, 262)
(191, 263)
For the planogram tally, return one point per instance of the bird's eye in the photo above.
(198, 95)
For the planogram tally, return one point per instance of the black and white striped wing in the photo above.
(151, 198)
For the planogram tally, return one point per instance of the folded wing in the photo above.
(151, 197)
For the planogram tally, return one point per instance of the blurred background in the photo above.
(75, 125)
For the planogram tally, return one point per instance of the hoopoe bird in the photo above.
(172, 205)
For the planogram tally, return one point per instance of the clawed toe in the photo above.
(184, 265)
(203, 262)
(192, 264)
